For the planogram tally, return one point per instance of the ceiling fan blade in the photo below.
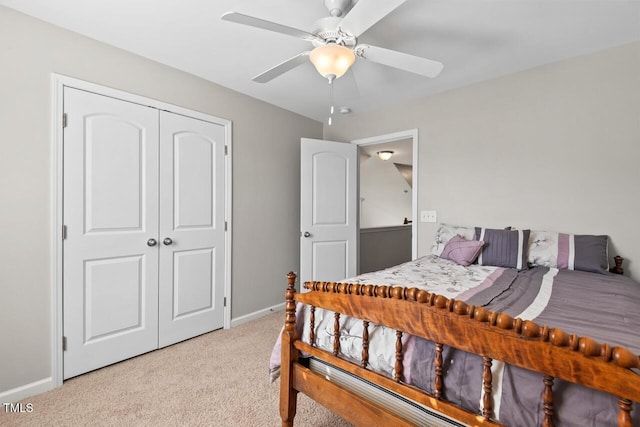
(282, 68)
(366, 13)
(251, 21)
(402, 61)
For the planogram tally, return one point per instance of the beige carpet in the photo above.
(218, 379)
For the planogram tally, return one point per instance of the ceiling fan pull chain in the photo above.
(330, 101)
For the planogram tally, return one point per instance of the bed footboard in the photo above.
(446, 322)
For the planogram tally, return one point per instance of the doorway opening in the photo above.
(388, 195)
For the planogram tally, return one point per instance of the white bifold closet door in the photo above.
(191, 227)
(143, 210)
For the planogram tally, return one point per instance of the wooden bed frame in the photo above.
(551, 352)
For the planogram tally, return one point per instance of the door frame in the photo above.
(405, 134)
(58, 83)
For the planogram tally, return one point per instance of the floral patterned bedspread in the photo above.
(433, 274)
(430, 273)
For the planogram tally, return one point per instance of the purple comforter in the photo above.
(603, 307)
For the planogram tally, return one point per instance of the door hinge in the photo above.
(225, 226)
(64, 343)
(225, 301)
(64, 232)
(64, 120)
(226, 151)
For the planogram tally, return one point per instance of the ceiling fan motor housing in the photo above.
(328, 30)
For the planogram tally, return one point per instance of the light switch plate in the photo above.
(428, 216)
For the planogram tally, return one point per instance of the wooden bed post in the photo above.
(288, 395)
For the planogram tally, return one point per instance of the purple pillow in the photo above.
(462, 251)
(503, 248)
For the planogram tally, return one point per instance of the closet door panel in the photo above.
(110, 282)
(191, 290)
(194, 181)
(194, 271)
(114, 173)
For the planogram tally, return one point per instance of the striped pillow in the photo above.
(568, 251)
(503, 248)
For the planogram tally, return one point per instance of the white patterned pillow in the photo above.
(543, 248)
(445, 232)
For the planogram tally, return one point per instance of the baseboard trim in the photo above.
(256, 315)
(27, 390)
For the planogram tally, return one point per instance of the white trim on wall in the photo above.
(405, 134)
(27, 390)
(58, 84)
(56, 231)
(257, 314)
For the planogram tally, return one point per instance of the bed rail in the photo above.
(492, 335)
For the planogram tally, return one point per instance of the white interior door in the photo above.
(328, 211)
(110, 186)
(192, 227)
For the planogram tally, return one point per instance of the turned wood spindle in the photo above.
(312, 326)
(422, 296)
(343, 288)
(365, 344)
(487, 399)
(504, 321)
(440, 302)
(437, 384)
(461, 308)
(399, 367)
(397, 292)
(624, 416)
(336, 333)
(617, 268)
(547, 398)
(290, 304)
(288, 401)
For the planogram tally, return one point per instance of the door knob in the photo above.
(307, 234)
(151, 242)
(167, 241)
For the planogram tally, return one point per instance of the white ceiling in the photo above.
(475, 39)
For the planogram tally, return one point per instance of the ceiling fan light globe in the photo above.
(332, 59)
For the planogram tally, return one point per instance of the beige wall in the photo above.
(552, 148)
(265, 178)
(385, 196)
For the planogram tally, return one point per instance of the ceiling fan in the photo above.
(336, 40)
